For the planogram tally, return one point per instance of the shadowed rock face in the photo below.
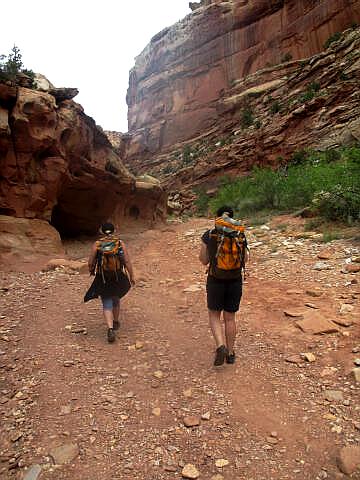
(57, 165)
(178, 79)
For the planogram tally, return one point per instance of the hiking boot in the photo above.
(220, 355)
(111, 335)
(230, 358)
(116, 325)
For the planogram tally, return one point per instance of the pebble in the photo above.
(190, 471)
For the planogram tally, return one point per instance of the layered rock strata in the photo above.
(180, 81)
(58, 166)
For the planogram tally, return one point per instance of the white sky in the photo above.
(88, 44)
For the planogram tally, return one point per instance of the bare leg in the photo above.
(230, 330)
(216, 327)
(116, 312)
(109, 318)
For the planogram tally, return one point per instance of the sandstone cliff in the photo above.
(57, 165)
(191, 85)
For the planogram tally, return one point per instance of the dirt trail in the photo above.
(124, 404)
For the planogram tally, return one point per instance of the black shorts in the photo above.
(223, 294)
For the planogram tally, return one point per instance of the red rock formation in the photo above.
(57, 165)
(24, 241)
(178, 79)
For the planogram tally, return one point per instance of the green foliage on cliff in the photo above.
(329, 182)
(11, 65)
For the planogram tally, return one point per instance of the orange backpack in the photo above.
(110, 257)
(227, 249)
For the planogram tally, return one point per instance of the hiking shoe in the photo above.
(220, 355)
(111, 335)
(230, 358)
(116, 325)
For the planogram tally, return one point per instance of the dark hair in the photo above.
(225, 209)
(107, 227)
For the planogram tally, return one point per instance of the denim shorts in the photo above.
(110, 302)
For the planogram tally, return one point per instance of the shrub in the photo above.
(327, 181)
(286, 57)
(330, 236)
(202, 201)
(11, 65)
(247, 117)
(275, 107)
(333, 38)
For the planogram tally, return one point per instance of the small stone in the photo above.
(309, 357)
(343, 322)
(293, 359)
(65, 453)
(328, 371)
(191, 421)
(325, 255)
(319, 266)
(311, 305)
(65, 410)
(69, 363)
(314, 293)
(349, 459)
(156, 411)
(315, 324)
(190, 471)
(193, 289)
(272, 440)
(294, 313)
(345, 309)
(15, 436)
(32, 473)
(333, 395)
(206, 416)
(139, 345)
(158, 374)
(357, 362)
(351, 268)
(221, 462)
(187, 393)
(170, 468)
(356, 374)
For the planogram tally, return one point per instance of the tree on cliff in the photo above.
(11, 66)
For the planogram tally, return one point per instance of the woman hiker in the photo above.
(110, 262)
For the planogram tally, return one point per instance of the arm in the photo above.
(204, 254)
(128, 264)
(92, 260)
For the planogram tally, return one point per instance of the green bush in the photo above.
(247, 117)
(311, 91)
(275, 107)
(286, 57)
(11, 65)
(333, 38)
(202, 201)
(327, 181)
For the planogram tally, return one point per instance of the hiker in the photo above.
(225, 250)
(110, 262)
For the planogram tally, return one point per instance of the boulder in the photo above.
(348, 459)
(24, 239)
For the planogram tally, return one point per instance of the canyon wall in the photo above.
(181, 77)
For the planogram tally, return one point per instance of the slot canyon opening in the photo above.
(134, 212)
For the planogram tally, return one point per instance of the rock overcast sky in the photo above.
(88, 44)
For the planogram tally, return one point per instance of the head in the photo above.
(107, 228)
(225, 209)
